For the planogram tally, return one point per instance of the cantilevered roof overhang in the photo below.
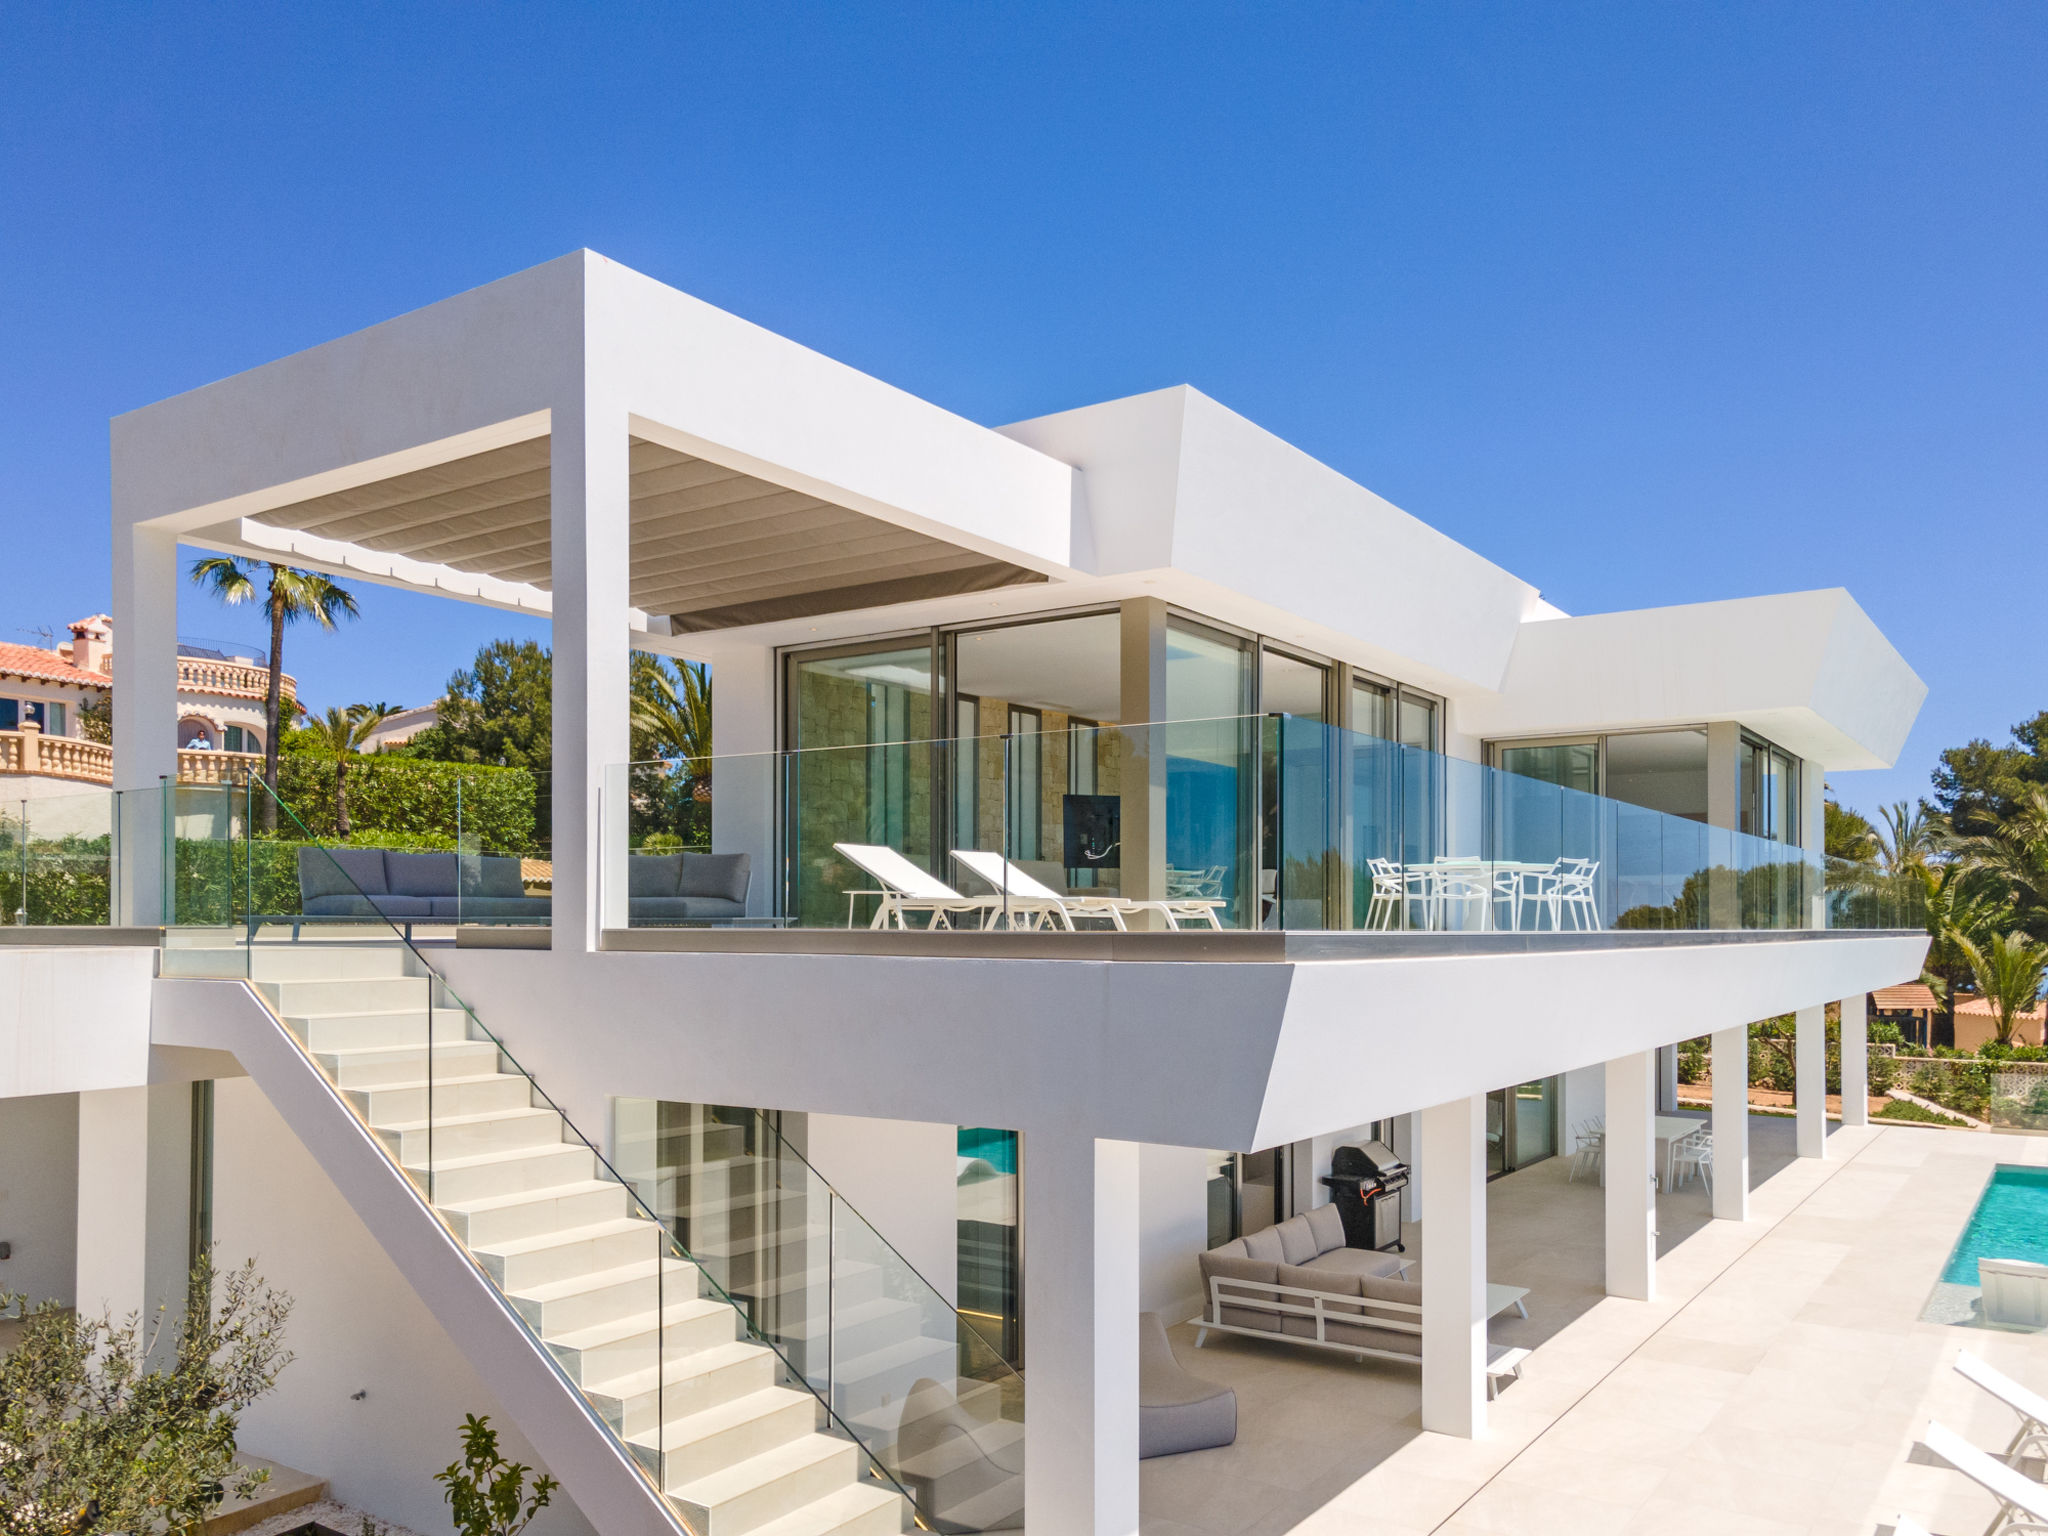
(766, 481)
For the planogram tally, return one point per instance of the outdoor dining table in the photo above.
(1488, 872)
(1671, 1130)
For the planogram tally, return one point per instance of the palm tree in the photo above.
(290, 596)
(2008, 972)
(1909, 838)
(343, 732)
(672, 724)
(2016, 854)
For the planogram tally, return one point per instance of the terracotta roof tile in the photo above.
(46, 666)
(1912, 994)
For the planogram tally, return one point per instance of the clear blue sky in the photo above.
(1650, 304)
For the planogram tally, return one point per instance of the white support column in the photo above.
(747, 774)
(1856, 1059)
(590, 551)
(1810, 1082)
(1453, 1154)
(145, 713)
(1631, 1174)
(134, 1196)
(1081, 1227)
(1731, 1123)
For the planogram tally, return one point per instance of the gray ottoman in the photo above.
(1177, 1412)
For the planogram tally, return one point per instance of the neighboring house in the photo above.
(1913, 1007)
(868, 1120)
(396, 730)
(44, 750)
(1977, 1024)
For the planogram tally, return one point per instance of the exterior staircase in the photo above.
(737, 1444)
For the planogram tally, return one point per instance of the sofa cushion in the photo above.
(653, 874)
(340, 872)
(350, 905)
(492, 875)
(1328, 1226)
(480, 909)
(403, 906)
(420, 874)
(1390, 1341)
(1219, 1262)
(711, 909)
(1297, 1240)
(1266, 1245)
(722, 876)
(1331, 1282)
(1357, 1262)
(1407, 1292)
(1234, 1249)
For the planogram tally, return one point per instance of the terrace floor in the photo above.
(1776, 1386)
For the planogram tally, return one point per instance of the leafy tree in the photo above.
(1977, 786)
(96, 719)
(2008, 972)
(340, 733)
(487, 1495)
(672, 715)
(289, 596)
(498, 709)
(92, 1439)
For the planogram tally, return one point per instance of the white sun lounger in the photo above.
(906, 888)
(2031, 1439)
(2022, 1502)
(1005, 876)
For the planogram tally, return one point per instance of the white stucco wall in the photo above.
(38, 1195)
(73, 1017)
(1173, 1212)
(356, 1326)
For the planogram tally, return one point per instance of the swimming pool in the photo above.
(997, 1148)
(2010, 1222)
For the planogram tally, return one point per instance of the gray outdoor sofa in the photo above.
(342, 884)
(1298, 1284)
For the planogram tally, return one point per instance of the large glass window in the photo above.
(1295, 787)
(1767, 788)
(1567, 764)
(10, 714)
(1049, 684)
(1418, 722)
(1209, 810)
(861, 723)
(1372, 709)
(1661, 771)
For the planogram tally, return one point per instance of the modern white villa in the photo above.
(1113, 818)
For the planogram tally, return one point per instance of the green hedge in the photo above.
(414, 799)
(67, 882)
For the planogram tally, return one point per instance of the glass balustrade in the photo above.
(931, 1396)
(1240, 822)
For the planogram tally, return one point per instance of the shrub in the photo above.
(1906, 1109)
(414, 798)
(1692, 1060)
(487, 1494)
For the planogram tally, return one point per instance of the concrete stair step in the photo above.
(389, 1066)
(532, 1212)
(519, 1263)
(861, 1509)
(328, 962)
(605, 1295)
(473, 1135)
(692, 1446)
(507, 1172)
(746, 1496)
(348, 994)
(631, 1343)
(634, 1398)
(397, 1103)
(367, 1028)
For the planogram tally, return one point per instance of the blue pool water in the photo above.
(997, 1148)
(2010, 1222)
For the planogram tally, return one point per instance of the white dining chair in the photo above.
(1589, 1148)
(1694, 1155)
(1573, 892)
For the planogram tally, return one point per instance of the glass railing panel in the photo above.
(924, 1392)
(440, 1090)
(1275, 821)
(57, 861)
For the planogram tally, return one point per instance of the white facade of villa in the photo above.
(1149, 623)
